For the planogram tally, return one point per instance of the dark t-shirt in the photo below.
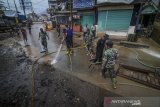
(69, 34)
(100, 44)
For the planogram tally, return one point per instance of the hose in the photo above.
(137, 58)
(70, 62)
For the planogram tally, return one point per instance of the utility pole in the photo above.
(15, 6)
(71, 24)
(23, 6)
(8, 4)
(138, 17)
(16, 12)
(31, 7)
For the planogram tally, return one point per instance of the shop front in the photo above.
(85, 9)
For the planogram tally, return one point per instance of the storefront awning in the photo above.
(149, 9)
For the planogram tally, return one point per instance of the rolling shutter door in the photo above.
(88, 19)
(102, 20)
(118, 20)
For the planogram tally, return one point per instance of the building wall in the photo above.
(156, 31)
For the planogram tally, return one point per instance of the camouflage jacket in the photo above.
(88, 38)
(109, 58)
(43, 35)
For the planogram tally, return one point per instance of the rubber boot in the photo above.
(67, 51)
(103, 73)
(70, 51)
(114, 83)
(46, 49)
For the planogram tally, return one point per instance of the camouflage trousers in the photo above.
(89, 47)
(110, 71)
(112, 74)
(44, 43)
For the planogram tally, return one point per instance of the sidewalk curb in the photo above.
(133, 44)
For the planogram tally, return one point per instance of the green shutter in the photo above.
(118, 20)
(87, 19)
(102, 20)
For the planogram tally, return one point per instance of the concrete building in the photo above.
(60, 11)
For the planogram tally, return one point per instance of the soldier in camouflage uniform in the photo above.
(88, 38)
(108, 64)
(43, 35)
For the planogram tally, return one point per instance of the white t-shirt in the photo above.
(85, 29)
(93, 27)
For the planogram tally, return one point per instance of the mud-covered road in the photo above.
(52, 88)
